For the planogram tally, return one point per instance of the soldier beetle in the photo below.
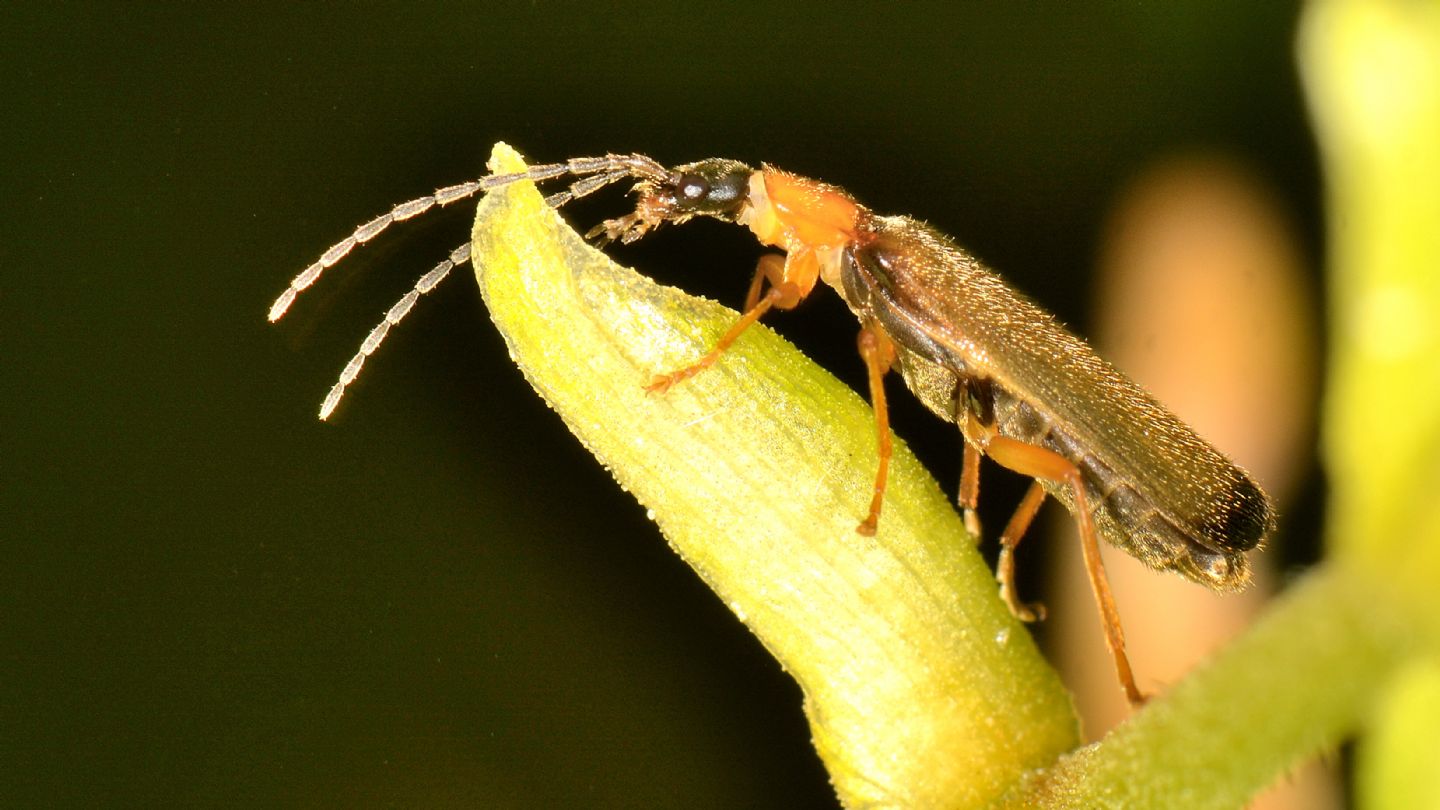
(1021, 388)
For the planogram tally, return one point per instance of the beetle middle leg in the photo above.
(1042, 464)
(879, 354)
(970, 489)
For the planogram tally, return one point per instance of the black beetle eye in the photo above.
(694, 187)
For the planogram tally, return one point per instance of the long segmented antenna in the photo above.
(594, 172)
(393, 316)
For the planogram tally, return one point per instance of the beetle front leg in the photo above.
(783, 294)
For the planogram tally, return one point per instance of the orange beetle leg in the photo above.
(1039, 463)
(771, 268)
(970, 489)
(1005, 566)
(879, 354)
(784, 293)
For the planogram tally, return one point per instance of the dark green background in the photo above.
(209, 598)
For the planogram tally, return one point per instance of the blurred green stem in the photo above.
(1293, 686)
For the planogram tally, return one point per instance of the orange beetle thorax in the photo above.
(796, 213)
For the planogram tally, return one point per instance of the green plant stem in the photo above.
(1293, 686)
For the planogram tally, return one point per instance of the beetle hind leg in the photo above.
(1047, 465)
